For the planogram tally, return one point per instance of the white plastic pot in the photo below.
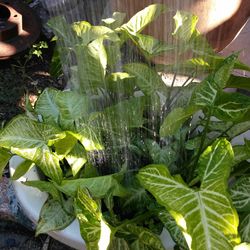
(32, 200)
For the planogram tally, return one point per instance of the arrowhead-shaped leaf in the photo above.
(205, 216)
(30, 140)
(54, 217)
(94, 230)
(144, 17)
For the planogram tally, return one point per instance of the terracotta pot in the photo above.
(219, 20)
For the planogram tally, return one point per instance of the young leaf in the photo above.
(205, 216)
(94, 230)
(97, 186)
(54, 217)
(175, 120)
(22, 169)
(147, 79)
(240, 194)
(30, 140)
(115, 21)
(244, 228)
(173, 229)
(45, 186)
(76, 158)
(144, 17)
(185, 25)
(4, 159)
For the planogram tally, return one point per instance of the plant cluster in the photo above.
(128, 155)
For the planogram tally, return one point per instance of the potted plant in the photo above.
(127, 155)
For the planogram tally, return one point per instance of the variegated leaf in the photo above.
(94, 230)
(30, 140)
(118, 244)
(205, 216)
(244, 228)
(240, 194)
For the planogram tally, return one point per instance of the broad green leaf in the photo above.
(45, 186)
(54, 217)
(206, 216)
(64, 146)
(88, 33)
(118, 244)
(72, 107)
(244, 228)
(125, 114)
(22, 169)
(150, 46)
(160, 155)
(175, 232)
(46, 106)
(185, 25)
(55, 68)
(122, 82)
(4, 159)
(30, 140)
(231, 106)
(175, 120)
(241, 153)
(94, 230)
(207, 91)
(114, 55)
(138, 245)
(238, 82)
(97, 186)
(145, 236)
(240, 194)
(92, 73)
(76, 158)
(115, 21)
(144, 17)
(147, 79)
(89, 136)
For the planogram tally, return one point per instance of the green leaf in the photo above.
(231, 106)
(238, 82)
(125, 114)
(89, 136)
(92, 73)
(22, 169)
(30, 140)
(94, 230)
(151, 46)
(122, 82)
(54, 217)
(240, 194)
(76, 158)
(147, 79)
(244, 228)
(4, 159)
(118, 244)
(115, 21)
(46, 106)
(241, 153)
(205, 216)
(45, 186)
(88, 33)
(144, 17)
(185, 25)
(97, 186)
(145, 236)
(175, 119)
(173, 229)
(64, 146)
